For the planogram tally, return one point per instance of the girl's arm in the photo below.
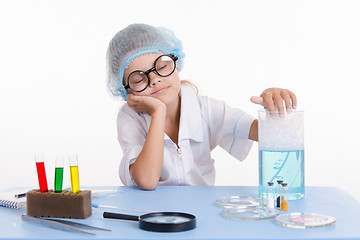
(253, 133)
(146, 170)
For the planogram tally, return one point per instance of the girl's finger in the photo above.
(270, 105)
(287, 100)
(279, 104)
(258, 100)
(293, 99)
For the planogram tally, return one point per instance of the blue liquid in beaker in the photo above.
(282, 165)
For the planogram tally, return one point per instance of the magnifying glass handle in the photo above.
(120, 216)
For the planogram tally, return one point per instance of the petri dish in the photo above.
(251, 213)
(238, 201)
(305, 220)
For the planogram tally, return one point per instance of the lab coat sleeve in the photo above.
(229, 128)
(131, 136)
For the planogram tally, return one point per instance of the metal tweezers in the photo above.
(62, 224)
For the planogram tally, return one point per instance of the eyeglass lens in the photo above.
(164, 66)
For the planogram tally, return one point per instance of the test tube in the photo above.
(74, 173)
(278, 189)
(59, 171)
(284, 197)
(270, 199)
(40, 168)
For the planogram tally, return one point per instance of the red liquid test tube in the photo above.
(40, 167)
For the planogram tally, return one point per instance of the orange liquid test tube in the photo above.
(284, 206)
(284, 197)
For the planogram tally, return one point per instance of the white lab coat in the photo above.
(204, 124)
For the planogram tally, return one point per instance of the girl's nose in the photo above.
(154, 79)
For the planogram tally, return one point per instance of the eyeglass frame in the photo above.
(153, 69)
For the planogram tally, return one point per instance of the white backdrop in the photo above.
(53, 97)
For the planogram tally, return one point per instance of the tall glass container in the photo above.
(281, 151)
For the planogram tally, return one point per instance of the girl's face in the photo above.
(165, 89)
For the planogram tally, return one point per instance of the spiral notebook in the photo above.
(8, 199)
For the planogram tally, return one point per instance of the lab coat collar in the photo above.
(190, 116)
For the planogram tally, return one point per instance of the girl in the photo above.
(166, 130)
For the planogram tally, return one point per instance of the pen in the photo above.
(94, 205)
(20, 195)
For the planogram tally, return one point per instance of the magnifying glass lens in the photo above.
(167, 219)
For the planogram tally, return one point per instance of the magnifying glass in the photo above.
(159, 221)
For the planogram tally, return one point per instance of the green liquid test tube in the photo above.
(59, 171)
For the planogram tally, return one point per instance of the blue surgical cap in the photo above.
(132, 42)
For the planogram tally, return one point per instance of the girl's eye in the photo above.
(139, 81)
(161, 67)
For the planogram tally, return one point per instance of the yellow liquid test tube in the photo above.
(74, 173)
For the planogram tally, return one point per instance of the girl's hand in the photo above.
(273, 99)
(145, 104)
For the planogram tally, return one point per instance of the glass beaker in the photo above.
(281, 151)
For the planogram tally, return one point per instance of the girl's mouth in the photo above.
(161, 90)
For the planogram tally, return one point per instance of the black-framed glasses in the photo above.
(164, 66)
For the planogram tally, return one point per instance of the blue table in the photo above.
(200, 201)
